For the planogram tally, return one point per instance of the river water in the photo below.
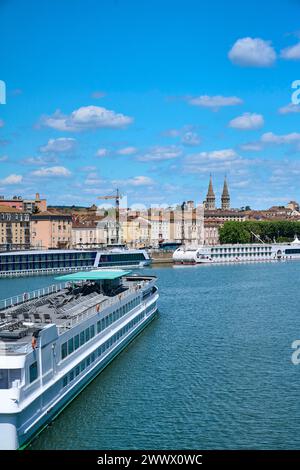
(212, 371)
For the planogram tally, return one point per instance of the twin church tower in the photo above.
(210, 201)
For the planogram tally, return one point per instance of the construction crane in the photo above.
(117, 198)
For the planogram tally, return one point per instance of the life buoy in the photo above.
(98, 307)
(33, 342)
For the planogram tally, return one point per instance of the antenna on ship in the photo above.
(258, 237)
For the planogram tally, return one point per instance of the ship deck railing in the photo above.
(45, 271)
(27, 296)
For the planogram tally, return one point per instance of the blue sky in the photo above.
(150, 97)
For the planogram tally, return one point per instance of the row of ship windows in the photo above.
(104, 347)
(122, 257)
(84, 336)
(26, 266)
(224, 255)
(254, 248)
(49, 257)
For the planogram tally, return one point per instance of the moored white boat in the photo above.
(53, 343)
(237, 253)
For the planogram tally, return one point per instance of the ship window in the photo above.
(87, 334)
(65, 381)
(92, 331)
(82, 366)
(77, 371)
(70, 346)
(82, 338)
(88, 361)
(64, 350)
(3, 378)
(33, 372)
(98, 326)
(71, 375)
(76, 342)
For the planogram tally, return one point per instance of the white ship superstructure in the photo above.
(39, 262)
(235, 253)
(54, 341)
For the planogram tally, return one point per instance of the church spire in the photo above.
(210, 203)
(225, 196)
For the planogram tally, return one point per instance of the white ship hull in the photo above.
(25, 411)
(239, 253)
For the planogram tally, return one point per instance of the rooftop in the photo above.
(10, 209)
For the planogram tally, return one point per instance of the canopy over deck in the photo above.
(96, 275)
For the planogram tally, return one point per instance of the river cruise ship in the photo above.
(38, 262)
(237, 253)
(54, 342)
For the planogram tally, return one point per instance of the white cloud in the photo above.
(188, 135)
(214, 102)
(291, 53)
(271, 138)
(289, 109)
(60, 145)
(52, 171)
(252, 147)
(157, 154)
(93, 181)
(1, 123)
(86, 117)
(12, 179)
(139, 181)
(102, 152)
(215, 161)
(41, 161)
(247, 121)
(252, 52)
(241, 184)
(217, 155)
(3, 158)
(190, 139)
(127, 151)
